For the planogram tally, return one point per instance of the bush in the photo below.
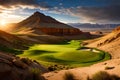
(102, 75)
(115, 77)
(37, 74)
(52, 68)
(108, 68)
(26, 60)
(58, 67)
(68, 76)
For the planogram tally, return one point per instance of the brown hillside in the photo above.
(21, 42)
(12, 41)
(109, 43)
(47, 25)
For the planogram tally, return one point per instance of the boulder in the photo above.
(19, 63)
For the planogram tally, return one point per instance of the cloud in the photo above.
(23, 4)
(97, 14)
(100, 14)
(13, 9)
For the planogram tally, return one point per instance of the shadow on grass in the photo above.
(10, 50)
(62, 43)
(39, 52)
(51, 58)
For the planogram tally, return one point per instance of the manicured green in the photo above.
(68, 53)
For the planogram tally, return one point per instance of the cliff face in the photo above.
(48, 25)
(60, 31)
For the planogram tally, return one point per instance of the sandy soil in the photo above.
(83, 72)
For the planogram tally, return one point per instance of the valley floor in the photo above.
(69, 54)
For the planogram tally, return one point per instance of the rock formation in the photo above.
(15, 68)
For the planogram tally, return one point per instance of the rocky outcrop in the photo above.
(15, 68)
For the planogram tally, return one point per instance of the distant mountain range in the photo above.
(88, 25)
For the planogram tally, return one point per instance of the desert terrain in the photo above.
(59, 40)
(59, 49)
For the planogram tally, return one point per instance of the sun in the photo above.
(3, 22)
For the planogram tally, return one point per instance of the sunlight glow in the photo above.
(3, 22)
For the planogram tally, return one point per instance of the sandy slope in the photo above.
(83, 73)
(109, 43)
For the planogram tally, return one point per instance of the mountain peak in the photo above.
(37, 13)
(41, 18)
(38, 19)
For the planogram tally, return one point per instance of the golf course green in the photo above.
(69, 53)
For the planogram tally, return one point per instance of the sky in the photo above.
(66, 11)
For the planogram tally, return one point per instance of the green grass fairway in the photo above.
(64, 54)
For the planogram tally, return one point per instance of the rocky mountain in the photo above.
(42, 24)
(109, 43)
(15, 68)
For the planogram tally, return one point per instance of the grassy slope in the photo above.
(67, 54)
